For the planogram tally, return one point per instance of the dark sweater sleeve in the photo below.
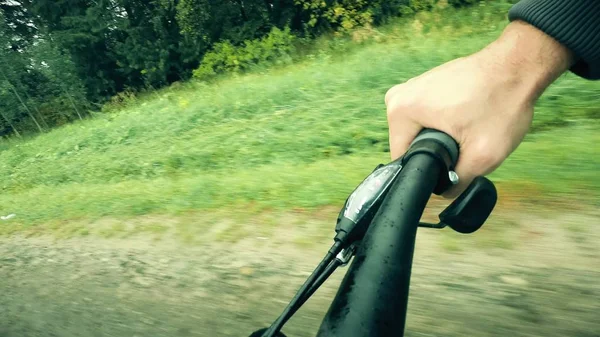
(574, 23)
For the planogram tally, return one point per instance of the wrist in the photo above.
(528, 58)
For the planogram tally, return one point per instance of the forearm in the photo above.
(527, 58)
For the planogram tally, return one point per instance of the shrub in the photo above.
(120, 101)
(462, 3)
(340, 16)
(384, 9)
(337, 16)
(276, 47)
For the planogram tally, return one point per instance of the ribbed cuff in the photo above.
(573, 23)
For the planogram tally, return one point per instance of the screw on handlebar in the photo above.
(453, 177)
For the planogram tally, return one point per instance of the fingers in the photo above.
(401, 136)
(476, 159)
(465, 176)
(402, 130)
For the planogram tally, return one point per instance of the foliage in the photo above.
(462, 3)
(39, 89)
(384, 9)
(192, 17)
(345, 15)
(302, 136)
(338, 15)
(111, 46)
(227, 58)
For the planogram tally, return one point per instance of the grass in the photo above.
(295, 137)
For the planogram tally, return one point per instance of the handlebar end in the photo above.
(443, 138)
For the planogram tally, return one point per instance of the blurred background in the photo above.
(175, 168)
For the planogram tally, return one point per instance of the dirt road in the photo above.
(545, 283)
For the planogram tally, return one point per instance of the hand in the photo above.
(484, 101)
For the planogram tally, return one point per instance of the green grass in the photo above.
(301, 136)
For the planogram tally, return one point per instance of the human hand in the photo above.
(484, 101)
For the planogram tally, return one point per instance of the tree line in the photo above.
(60, 59)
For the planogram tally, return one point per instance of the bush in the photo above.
(421, 5)
(382, 10)
(340, 16)
(120, 101)
(276, 47)
(462, 3)
(346, 15)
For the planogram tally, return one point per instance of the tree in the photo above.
(62, 54)
(11, 78)
(151, 53)
(39, 83)
(60, 73)
(89, 32)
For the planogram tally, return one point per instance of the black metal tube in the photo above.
(373, 297)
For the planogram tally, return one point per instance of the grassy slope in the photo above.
(300, 136)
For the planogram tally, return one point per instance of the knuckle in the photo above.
(480, 157)
(400, 105)
(392, 93)
(401, 109)
(487, 158)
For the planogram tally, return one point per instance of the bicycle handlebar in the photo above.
(381, 218)
(441, 137)
(373, 297)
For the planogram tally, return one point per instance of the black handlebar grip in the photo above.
(443, 138)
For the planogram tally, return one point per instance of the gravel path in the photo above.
(546, 285)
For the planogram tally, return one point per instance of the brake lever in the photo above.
(467, 213)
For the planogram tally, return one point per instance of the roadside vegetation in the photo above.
(288, 136)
